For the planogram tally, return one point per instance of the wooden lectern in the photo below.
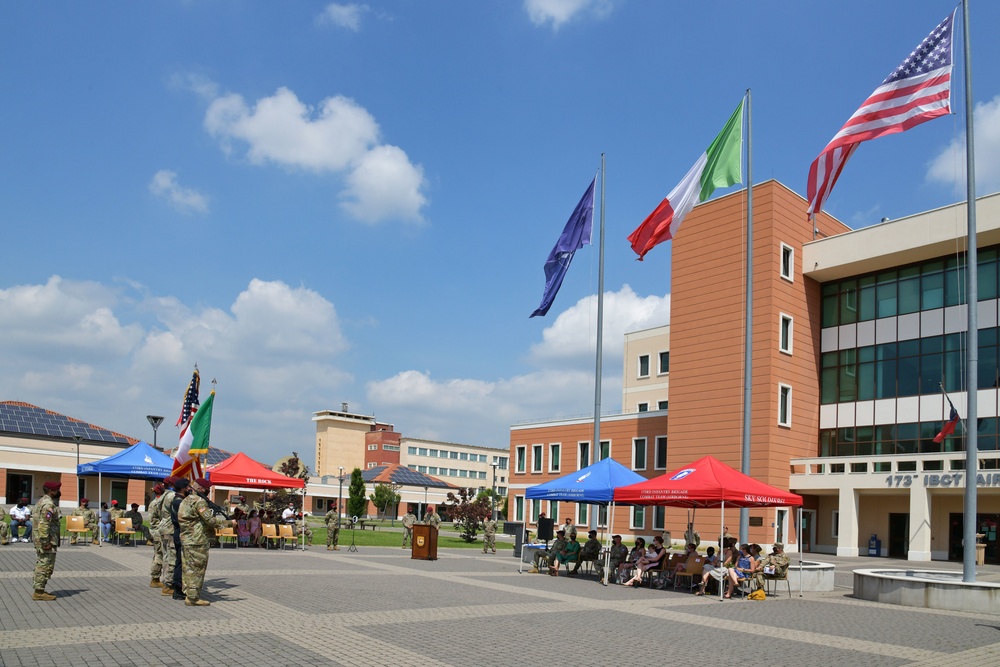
(425, 542)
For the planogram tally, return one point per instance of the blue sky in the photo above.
(324, 203)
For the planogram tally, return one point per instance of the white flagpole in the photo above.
(600, 326)
(748, 332)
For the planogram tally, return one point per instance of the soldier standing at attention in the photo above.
(166, 529)
(691, 536)
(408, 520)
(89, 520)
(155, 517)
(432, 518)
(197, 522)
(490, 534)
(569, 528)
(45, 518)
(332, 521)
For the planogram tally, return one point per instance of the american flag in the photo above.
(190, 399)
(915, 92)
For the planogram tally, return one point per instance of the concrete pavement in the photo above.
(379, 607)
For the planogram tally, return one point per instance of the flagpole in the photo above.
(600, 326)
(748, 333)
(972, 355)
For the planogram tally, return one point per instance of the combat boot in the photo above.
(155, 583)
(329, 548)
(196, 602)
(167, 590)
(42, 595)
(336, 548)
(95, 541)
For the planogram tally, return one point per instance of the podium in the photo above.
(425, 542)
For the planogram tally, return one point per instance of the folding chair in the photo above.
(77, 527)
(124, 527)
(226, 533)
(694, 567)
(778, 576)
(286, 534)
(269, 533)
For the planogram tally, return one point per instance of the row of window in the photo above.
(907, 368)
(644, 407)
(449, 472)
(924, 286)
(637, 520)
(663, 364)
(910, 438)
(640, 455)
(500, 461)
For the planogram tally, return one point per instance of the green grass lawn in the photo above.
(385, 536)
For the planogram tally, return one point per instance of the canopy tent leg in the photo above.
(722, 521)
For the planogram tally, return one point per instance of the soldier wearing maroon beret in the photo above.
(45, 518)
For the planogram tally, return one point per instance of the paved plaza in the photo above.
(379, 607)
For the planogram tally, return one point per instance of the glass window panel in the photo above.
(829, 359)
(954, 286)
(829, 387)
(848, 302)
(908, 376)
(988, 336)
(909, 295)
(866, 381)
(931, 344)
(827, 442)
(885, 351)
(987, 277)
(955, 341)
(866, 298)
(908, 348)
(885, 379)
(866, 353)
(847, 381)
(884, 439)
(987, 440)
(927, 432)
(906, 438)
(954, 371)
(885, 296)
(987, 367)
(932, 291)
(930, 374)
(830, 311)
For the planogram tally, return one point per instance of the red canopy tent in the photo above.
(242, 471)
(708, 482)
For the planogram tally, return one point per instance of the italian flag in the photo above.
(194, 440)
(719, 166)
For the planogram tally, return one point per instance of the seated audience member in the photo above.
(589, 551)
(689, 550)
(569, 554)
(720, 572)
(548, 556)
(253, 524)
(20, 517)
(775, 564)
(710, 564)
(638, 551)
(136, 516)
(755, 551)
(653, 558)
(743, 569)
(726, 540)
(618, 555)
(105, 523)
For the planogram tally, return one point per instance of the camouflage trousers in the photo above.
(332, 536)
(157, 567)
(4, 532)
(407, 536)
(489, 541)
(92, 527)
(194, 562)
(44, 566)
(168, 556)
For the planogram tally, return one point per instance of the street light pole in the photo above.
(154, 421)
(493, 495)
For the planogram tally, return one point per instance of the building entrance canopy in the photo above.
(707, 482)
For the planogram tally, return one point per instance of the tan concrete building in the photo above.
(646, 379)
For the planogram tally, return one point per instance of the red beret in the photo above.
(51, 486)
(169, 480)
(203, 483)
(157, 489)
(84, 501)
(114, 502)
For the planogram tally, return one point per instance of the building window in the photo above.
(390, 448)
(605, 450)
(581, 514)
(660, 456)
(661, 405)
(521, 452)
(463, 473)
(432, 452)
(536, 458)
(518, 508)
(372, 464)
(452, 472)
(785, 334)
(554, 457)
(432, 470)
(501, 491)
(664, 363)
(787, 262)
(638, 517)
(464, 456)
(835, 524)
(372, 448)
(602, 516)
(452, 455)
(638, 453)
(643, 366)
(412, 451)
(422, 451)
(536, 508)
(659, 518)
(583, 460)
(643, 407)
(554, 512)
(784, 405)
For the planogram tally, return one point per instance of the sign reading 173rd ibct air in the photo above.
(943, 480)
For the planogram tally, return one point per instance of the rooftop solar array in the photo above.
(402, 475)
(31, 420)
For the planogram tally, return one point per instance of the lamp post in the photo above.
(154, 421)
(423, 512)
(493, 495)
(78, 439)
(340, 496)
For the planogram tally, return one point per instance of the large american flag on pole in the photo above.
(915, 92)
(184, 464)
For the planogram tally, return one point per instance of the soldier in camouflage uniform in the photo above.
(549, 555)
(155, 517)
(432, 518)
(332, 521)
(409, 519)
(490, 534)
(776, 559)
(692, 536)
(166, 530)
(89, 520)
(4, 528)
(197, 522)
(116, 513)
(45, 520)
(618, 555)
(242, 506)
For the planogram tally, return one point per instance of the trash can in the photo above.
(515, 528)
(874, 546)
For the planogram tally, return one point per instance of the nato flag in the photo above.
(574, 236)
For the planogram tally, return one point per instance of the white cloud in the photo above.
(949, 165)
(185, 200)
(558, 12)
(343, 16)
(339, 137)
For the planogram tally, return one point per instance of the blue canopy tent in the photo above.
(593, 485)
(140, 461)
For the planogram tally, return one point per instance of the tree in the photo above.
(357, 504)
(385, 497)
(293, 467)
(467, 512)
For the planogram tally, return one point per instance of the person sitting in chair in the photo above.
(652, 560)
(617, 556)
(548, 556)
(588, 552)
(634, 556)
(136, 517)
(775, 564)
(743, 570)
(569, 554)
